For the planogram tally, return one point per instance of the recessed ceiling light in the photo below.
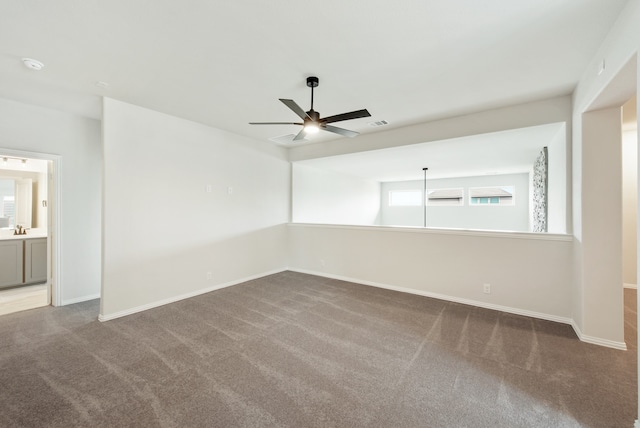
(33, 64)
(102, 85)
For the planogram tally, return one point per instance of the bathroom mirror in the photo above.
(16, 202)
(7, 203)
(23, 192)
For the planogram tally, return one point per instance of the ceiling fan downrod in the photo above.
(312, 82)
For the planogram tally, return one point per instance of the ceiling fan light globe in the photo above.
(311, 128)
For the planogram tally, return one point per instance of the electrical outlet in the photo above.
(208, 188)
(486, 288)
(230, 190)
(209, 275)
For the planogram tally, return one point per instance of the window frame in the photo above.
(460, 199)
(512, 190)
(417, 191)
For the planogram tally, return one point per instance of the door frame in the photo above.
(54, 268)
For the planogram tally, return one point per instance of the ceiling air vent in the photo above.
(287, 139)
(379, 123)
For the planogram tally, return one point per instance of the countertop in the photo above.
(8, 235)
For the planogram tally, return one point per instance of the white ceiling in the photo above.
(226, 63)
(506, 152)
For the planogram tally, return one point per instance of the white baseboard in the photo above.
(596, 340)
(448, 298)
(508, 309)
(636, 424)
(516, 311)
(174, 299)
(80, 299)
(632, 286)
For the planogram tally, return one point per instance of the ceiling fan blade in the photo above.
(340, 131)
(300, 135)
(275, 123)
(346, 116)
(296, 108)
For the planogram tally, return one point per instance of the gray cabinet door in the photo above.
(11, 252)
(35, 260)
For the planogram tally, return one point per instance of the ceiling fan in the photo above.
(311, 120)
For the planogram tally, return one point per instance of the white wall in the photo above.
(323, 196)
(529, 273)
(77, 140)
(601, 240)
(629, 207)
(162, 231)
(515, 218)
(448, 264)
(597, 295)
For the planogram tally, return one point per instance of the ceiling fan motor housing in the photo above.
(312, 81)
(314, 115)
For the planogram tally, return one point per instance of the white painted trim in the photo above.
(508, 309)
(636, 424)
(174, 299)
(80, 299)
(448, 298)
(597, 340)
(54, 244)
(632, 286)
(438, 231)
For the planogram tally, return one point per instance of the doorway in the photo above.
(29, 225)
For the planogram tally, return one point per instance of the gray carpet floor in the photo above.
(294, 350)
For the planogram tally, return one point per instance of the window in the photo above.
(499, 195)
(445, 197)
(405, 198)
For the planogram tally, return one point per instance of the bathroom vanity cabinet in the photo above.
(23, 261)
